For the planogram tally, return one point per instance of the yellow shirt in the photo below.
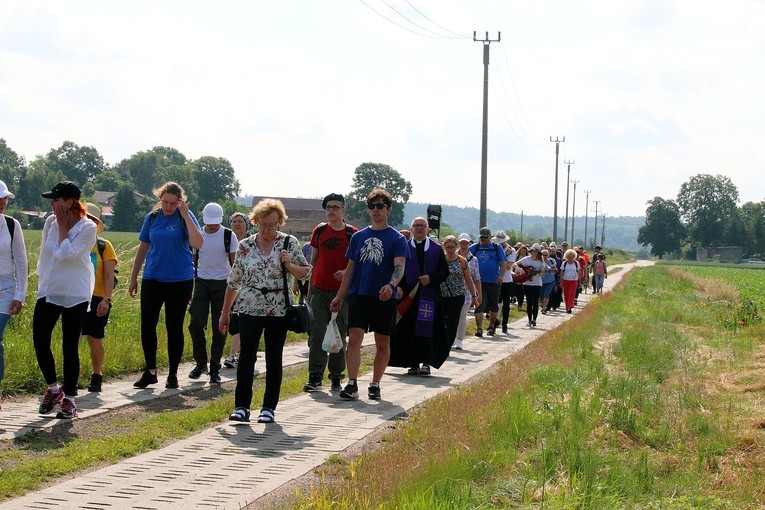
(99, 266)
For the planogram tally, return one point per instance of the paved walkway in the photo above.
(231, 465)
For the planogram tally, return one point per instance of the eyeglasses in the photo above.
(379, 206)
(419, 226)
(484, 237)
(333, 207)
(267, 225)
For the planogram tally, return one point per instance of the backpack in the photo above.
(478, 246)
(101, 244)
(348, 230)
(226, 247)
(11, 227)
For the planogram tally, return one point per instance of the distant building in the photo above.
(720, 253)
(303, 214)
(105, 200)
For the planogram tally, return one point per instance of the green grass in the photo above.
(626, 410)
(122, 343)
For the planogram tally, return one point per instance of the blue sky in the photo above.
(297, 94)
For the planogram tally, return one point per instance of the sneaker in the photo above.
(458, 344)
(479, 333)
(336, 386)
(95, 382)
(351, 392)
(230, 362)
(50, 401)
(240, 414)
(214, 377)
(172, 381)
(312, 385)
(374, 392)
(68, 410)
(504, 328)
(534, 323)
(568, 310)
(490, 332)
(528, 324)
(146, 379)
(197, 372)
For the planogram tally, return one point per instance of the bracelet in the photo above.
(226, 314)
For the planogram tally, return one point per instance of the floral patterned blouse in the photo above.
(258, 278)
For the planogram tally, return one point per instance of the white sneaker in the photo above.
(458, 344)
(230, 362)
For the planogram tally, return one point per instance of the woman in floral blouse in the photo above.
(257, 285)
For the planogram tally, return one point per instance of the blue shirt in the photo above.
(169, 257)
(373, 252)
(489, 256)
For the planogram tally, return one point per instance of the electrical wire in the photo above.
(517, 119)
(507, 119)
(400, 25)
(518, 97)
(459, 36)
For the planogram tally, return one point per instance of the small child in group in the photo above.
(600, 271)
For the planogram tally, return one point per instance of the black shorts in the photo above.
(371, 314)
(489, 298)
(95, 326)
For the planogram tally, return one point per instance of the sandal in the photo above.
(241, 414)
(413, 371)
(479, 332)
(425, 370)
(266, 416)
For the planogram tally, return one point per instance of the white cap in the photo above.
(212, 214)
(4, 191)
(536, 247)
(463, 237)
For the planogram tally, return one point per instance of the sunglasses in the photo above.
(377, 206)
(333, 207)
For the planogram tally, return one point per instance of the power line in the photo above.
(520, 124)
(435, 36)
(507, 119)
(436, 24)
(518, 97)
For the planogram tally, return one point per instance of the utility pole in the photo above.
(485, 133)
(586, 209)
(595, 237)
(573, 213)
(521, 222)
(603, 231)
(555, 206)
(568, 182)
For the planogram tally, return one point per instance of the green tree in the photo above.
(215, 179)
(368, 176)
(149, 169)
(128, 211)
(706, 203)
(78, 164)
(108, 180)
(12, 166)
(37, 179)
(663, 229)
(753, 216)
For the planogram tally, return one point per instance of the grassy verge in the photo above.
(650, 398)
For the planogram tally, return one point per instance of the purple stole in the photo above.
(426, 303)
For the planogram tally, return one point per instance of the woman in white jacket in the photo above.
(66, 280)
(13, 268)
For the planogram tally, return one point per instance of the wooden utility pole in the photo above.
(586, 210)
(485, 131)
(555, 206)
(573, 213)
(568, 182)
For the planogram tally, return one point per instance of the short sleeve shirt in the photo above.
(331, 246)
(373, 253)
(489, 256)
(98, 266)
(169, 257)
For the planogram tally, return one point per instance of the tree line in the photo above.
(207, 179)
(704, 214)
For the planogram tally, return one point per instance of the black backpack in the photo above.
(101, 244)
(226, 247)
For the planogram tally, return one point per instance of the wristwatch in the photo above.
(108, 300)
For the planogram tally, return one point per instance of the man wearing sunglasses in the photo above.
(376, 258)
(329, 243)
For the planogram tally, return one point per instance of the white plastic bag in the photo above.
(332, 341)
